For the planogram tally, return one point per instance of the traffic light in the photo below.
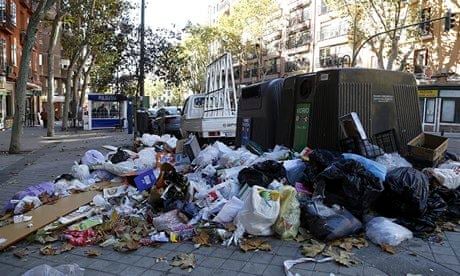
(449, 20)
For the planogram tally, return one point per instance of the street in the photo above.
(49, 158)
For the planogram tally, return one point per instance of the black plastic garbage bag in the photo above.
(119, 156)
(327, 223)
(347, 183)
(321, 159)
(253, 177)
(405, 195)
(452, 199)
(262, 174)
(271, 169)
(436, 209)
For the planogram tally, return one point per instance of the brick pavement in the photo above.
(415, 256)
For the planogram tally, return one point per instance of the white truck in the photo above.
(212, 115)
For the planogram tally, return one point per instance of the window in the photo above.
(272, 66)
(324, 54)
(2, 54)
(3, 10)
(429, 111)
(425, 28)
(40, 60)
(450, 110)
(198, 102)
(236, 72)
(105, 110)
(13, 13)
(14, 53)
(323, 8)
(333, 30)
(420, 60)
(305, 14)
(421, 103)
(298, 39)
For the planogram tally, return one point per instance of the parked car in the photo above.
(167, 121)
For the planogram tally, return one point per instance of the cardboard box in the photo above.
(145, 180)
(189, 147)
(427, 147)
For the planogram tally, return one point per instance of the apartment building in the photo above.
(14, 17)
(310, 38)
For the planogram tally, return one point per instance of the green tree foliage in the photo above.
(368, 17)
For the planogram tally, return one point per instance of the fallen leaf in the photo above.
(21, 253)
(449, 226)
(341, 257)
(202, 238)
(67, 247)
(350, 242)
(255, 244)
(92, 253)
(388, 248)
(312, 248)
(184, 261)
(49, 250)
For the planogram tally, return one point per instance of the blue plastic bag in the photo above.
(377, 169)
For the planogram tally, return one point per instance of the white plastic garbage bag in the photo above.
(381, 230)
(116, 169)
(27, 200)
(63, 186)
(150, 140)
(449, 178)
(260, 211)
(146, 160)
(62, 270)
(92, 157)
(81, 172)
(206, 157)
(453, 165)
(392, 161)
(229, 211)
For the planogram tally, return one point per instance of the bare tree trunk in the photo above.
(76, 82)
(68, 91)
(21, 85)
(57, 23)
(85, 82)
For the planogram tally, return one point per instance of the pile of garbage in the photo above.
(172, 191)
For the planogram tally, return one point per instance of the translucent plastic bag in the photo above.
(229, 211)
(92, 157)
(288, 222)
(260, 211)
(448, 178)
(392, 161)
(146, 160)
(62, 270)
(381, 230)
(150, 140)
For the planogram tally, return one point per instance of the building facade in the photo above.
(310, 37)
(14, 17)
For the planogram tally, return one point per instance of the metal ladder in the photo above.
(220, 96)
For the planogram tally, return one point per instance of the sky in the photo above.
(164, 13)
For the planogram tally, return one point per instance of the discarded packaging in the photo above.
(381, 231)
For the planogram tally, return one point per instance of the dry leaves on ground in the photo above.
(255, 244)
(341, 257)
(388, 248)
(449, 226)
(202, 238)
(312, 248)
(21, 253)
(350, 242)
(49, 250)
(92, 253)
(184, 261)
(66, 247)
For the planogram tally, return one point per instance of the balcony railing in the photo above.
(6, 23)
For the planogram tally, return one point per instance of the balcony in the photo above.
(272, 70)
(6, 24)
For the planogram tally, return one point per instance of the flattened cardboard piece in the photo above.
(43, 216)
(352, 127)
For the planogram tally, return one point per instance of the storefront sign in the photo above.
(428, 93)
(102, 98)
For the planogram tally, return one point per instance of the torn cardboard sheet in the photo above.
(42, 216)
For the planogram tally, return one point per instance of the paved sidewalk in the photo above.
(56, 157)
